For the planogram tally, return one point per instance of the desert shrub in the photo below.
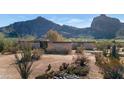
(103, 45)
(8, 45)
(79, 50)
(81, 60)
(54, 36)
(100, 59)
(48, 68)
(79, 67)
(61, 68)
(2, 37)
(70, 69)
(36, 54)
(64, 66)
(24, 63)
(78, 70)
(12, 49)
(81, 71)
(1, 46)
(111, 68)
(49, 75)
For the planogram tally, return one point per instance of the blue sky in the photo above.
(77, 20)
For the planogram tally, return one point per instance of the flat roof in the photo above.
(56, 41)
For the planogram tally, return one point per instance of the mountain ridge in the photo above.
(101, 27)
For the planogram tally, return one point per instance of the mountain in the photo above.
(39, 27)
(102, 27)
(120, 33)
(105, 27)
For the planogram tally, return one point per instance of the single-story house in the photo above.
(57, 45)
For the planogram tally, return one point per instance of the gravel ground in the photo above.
(7, 71)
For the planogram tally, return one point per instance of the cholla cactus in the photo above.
(24, 63)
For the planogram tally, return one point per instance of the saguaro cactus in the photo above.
(114, 52)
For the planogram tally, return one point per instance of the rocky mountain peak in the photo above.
(105, 26)
(102, 26)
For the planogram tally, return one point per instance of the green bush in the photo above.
(70, 69)
(103, 44)
(8, 45)
(1, 42)
(1, 46)
(78, 70)
(81, 71)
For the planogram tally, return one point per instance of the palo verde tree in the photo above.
(24, 63)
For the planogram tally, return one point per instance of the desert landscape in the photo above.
(42, 49)
(8, 71)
